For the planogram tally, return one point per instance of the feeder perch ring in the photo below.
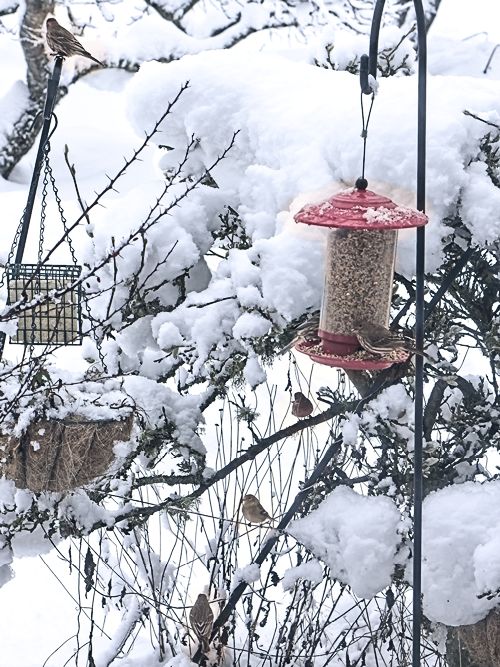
(360, 361)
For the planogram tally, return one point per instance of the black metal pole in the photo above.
(368, 67)
(419, 336)
(50, 100)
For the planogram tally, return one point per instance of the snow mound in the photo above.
(356, 536)
(461, 545)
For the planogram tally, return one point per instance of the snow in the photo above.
(392, 404)
(356, 536)
(247, 574)
(253, 373)
(251, 324)
(290, 139)
(311, 571)
(461, 563)
(12, 104)
(26, 544)
(481, 202)
(457, 20)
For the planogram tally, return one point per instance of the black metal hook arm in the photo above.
(50, 101)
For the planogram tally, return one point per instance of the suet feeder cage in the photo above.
(56, 319)
(359, 270)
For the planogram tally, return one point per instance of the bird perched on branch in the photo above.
(201, 618)
(378, 340)
(301, 406)
(62, 43)
(253, 510)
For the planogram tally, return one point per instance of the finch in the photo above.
(201, 618)
(378, 340)
(62, 43)
(307, 331)
(301, 406)
(253, 510)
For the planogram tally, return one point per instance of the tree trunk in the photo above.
(22, 136)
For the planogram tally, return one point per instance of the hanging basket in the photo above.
(57, 320)
(60, 455)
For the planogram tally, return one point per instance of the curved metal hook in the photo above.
(34, 120)
(363, 75)
(54, 128)
(368, 64)
(368, 69)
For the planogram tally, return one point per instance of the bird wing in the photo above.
(202, 619)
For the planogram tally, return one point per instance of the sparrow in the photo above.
(253, 510)
(378, 340)
(62, 43)
(306, 331)
(301, 406)
(201, 618)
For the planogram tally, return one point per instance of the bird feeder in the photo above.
(359, 271)
(56, 319)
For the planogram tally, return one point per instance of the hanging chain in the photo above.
(12, 250)
(13, 247)
(43, 214)
(49, 172)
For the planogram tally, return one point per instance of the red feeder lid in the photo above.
(360, 209)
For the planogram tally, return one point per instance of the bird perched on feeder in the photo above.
(62, 43)
(301, 406)
(201, 618)
(306, 331)
(253, 510)
(378, 340)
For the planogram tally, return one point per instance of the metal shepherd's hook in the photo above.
(368, 69)
(48, 111)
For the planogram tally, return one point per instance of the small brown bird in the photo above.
(378, 340)
(301, 406)
(201, 618)
(253, 510)
(306, 331)
(62, 43)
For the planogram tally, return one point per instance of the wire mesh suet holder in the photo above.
(56, 319)
(46, 299)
